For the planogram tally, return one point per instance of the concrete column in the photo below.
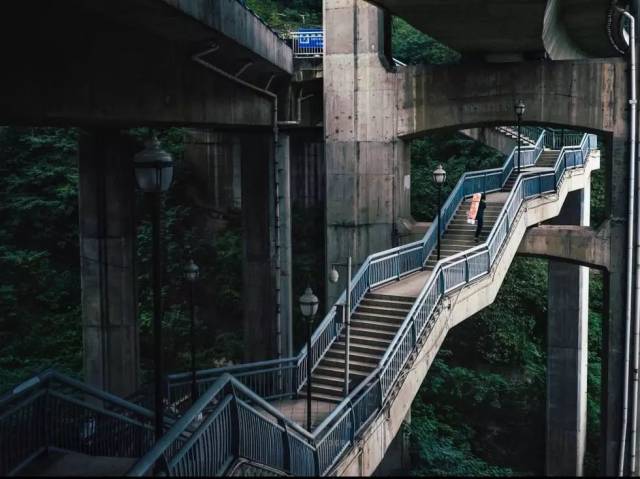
(616, 154)
(397, 458)
(367, 165)
(107, 259)
(568, 320)
(259, 324)
(283, 155)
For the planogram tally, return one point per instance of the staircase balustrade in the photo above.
(317, 453)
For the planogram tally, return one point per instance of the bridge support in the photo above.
(567, 352)
(107, 259)
(260, 295)
(367, 165)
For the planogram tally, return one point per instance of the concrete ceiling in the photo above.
(508, 26)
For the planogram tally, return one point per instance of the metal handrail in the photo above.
(54, 410)
(339, 429)
(420, 249)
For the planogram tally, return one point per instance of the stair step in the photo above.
(383, 303)
(357, 365)
(378, 326)
(317, 390)
(321, 397)
(390, 297)
(367, 349)
(376, 321)
(358, 340)
(355, 355)
(381, 311)
(331, 371)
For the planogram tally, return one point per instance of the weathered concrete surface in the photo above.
(259, 307)
(128, 63)
(523, 26)
(367, 166)
(107, 261)
(458, 306)
(567, 355)
(578, 244)
(589, 95)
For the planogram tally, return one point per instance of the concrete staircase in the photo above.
(513, 133)
(373, 326)
(459, 236)
(548, 158)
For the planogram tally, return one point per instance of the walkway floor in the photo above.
(409, 286)
(296, 410)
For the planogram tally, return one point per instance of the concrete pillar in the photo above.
(568, 320)
(616, 154)
(107, 259)
(397, 458)
(283, 156)
(259, 324)
(367, 164)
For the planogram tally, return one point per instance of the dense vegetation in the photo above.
(480, 410)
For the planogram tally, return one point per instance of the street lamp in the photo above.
(309, 308)
(191, 274)
(154, 172)
(519, 108)
(334, 276)
(439, 177)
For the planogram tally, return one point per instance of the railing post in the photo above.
(398, 265)
(286, 446)
(235, 420)
(466, 269)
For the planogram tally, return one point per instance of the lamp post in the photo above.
(439, 177)
(334, 276)
(519, 108)
(154, 172)
(191, 274)
(309, 308)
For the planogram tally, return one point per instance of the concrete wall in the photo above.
(367, 165)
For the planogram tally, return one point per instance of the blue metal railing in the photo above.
(319, 452)
(286, 377)
(51, 410)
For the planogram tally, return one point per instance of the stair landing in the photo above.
(73, 464)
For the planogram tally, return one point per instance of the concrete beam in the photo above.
(485, 27)
(577, 244)
(109, 72)
(589, 95)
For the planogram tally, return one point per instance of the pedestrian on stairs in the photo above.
(480, 215)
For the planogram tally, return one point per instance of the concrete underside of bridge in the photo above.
(489, 29)
(371, 112)
(105, 66)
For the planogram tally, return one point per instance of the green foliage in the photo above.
(288, 15)
(458, 154)
(412, 46)
(39, 260)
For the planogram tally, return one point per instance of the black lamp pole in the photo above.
(439, 177)
(154, 172)
(309, 307)
(309, 365)
(439, 216)
(157, 314)
(194, 389)
(520, 108)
